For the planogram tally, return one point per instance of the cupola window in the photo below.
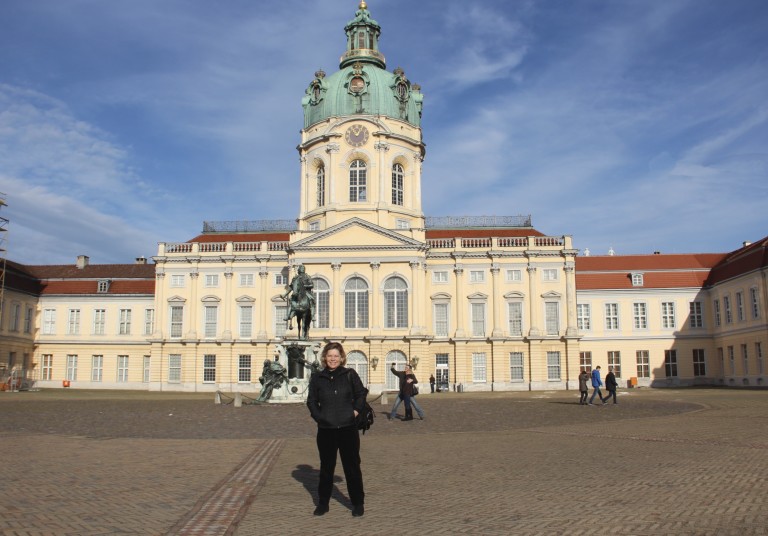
(357, 182)
(321, 186)
(397, 184)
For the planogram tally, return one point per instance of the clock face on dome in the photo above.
(356, 135)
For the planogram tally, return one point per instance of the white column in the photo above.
(495, 302)
(533, 303)
(194, 305)
(338, 295)
(461, 304)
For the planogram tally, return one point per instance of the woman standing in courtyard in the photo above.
(336, 397)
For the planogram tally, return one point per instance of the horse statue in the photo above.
(301, 303)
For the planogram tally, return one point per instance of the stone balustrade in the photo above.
(527, 242)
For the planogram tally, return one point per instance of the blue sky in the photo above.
(640, 125)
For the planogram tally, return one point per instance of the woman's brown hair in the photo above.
(333, 346)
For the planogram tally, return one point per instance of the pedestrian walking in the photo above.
(596, 384)
(432, 383)
(583, 387)
(402, 375)
(336, 396)
(610, 385)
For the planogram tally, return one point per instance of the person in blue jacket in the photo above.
(596, 384)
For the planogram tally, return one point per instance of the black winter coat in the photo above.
(334, 396)
(610, 382)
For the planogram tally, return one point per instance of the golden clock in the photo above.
(356, 135)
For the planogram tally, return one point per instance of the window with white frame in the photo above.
(643, 363)
(246, 280)
(174, 368)
(670, 363)
(71, 373)
(15, 317)
(745, 359)
(441, 319)
(246, 321)
(279, 320)
(102, 286)
(637, 279)
(124, 324)
(477, 276)
(99, 321)
(716, 307)
(614, 360)
(209, 368)
(515, 310)
(314, 225)
(754, 299)
(281, 279)
(516, 366)
(440, 276)
(395, 303)
(177, 280)
(697, 315)
(177, 320)
(612, 316)
(478, 319)
(320, 185)
(585, 361)
(727, 307)
(28, 320)
(73, 323)
(47, 366)
(731, 360)
(211, 280)
(699, 363)
(668, 315)
(549, 274)
(478, 367)
(402, 224)
(97, 367)
(357, 361)
(322, 290)
(358, 181)
(149, 321)
(759, 358)
(146, 369)
(210, 320)
(583, 316)
(552, 317)
(397, 184)
(356, 303)
(553, 366)
(514, 276)
(244, 368)
(122, 368)
(640, 315)
(740, 306)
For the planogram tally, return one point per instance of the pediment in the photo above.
(176, 299)
(356, 234)
(477, 296)
(552, 294)
(514, 295)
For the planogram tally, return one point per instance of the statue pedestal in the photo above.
(297, 358)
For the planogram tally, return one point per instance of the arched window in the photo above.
(357, 181)
(321, 186)
(397, 185)
(323, 300)
(395, 303)
(356, 303)
(398, 358)
(356, 360)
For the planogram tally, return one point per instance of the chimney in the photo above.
(82, 261)
(141, 260)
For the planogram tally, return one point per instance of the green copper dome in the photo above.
(362, 86)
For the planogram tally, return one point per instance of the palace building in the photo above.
(483, 303)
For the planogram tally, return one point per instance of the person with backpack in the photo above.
(336, 397)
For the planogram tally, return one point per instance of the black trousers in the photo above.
(345, 441)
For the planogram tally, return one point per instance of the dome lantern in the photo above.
(362, 40)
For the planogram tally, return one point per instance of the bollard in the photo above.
(217, 398)
(238, 400)
(384, 398)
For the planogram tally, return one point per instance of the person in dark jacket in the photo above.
(610, 385)
(336, 396)
(432, 383)
(583, 387)
(403, 375)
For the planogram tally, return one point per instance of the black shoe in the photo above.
(321, 509)
(358, 510)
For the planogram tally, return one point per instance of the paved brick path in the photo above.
(661, 462)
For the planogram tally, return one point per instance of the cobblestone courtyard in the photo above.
(660, 462)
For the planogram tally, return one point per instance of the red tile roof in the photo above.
(742, 261)
(138, 279)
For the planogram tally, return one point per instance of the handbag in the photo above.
(364, 420)
(415, 389)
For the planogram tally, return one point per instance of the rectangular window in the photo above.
(516, 318)
(210, 328)
(211, 280)
(478, 320)
(280, 312)
(402, 224)
(727, 307)
(71, 367)
(281, 279)
(731, 360)
(740, 306)
(323, 307)
(612, 316)
(246, 321)
(553, 366)
(99, 321)
(125, 322)
(15, 317)
(177, 320)
(244, 369)
(759, 358)
(356, 309)
(103, 286)
(174, 368)
(697, 315)
(209, 368)
(122, 368)
(314, 225)
(745, 359)
(149, 321)
(440, 277)
(754, 299)
(670, 363)
(549, 274)
(177, 280)
(643, 364)
(585, 361)
(667, 315)
(637, 280)
(49, 321)
(516, 366)
(716, 304)
(476, 276)
(699, 363)
(514, 276)
(478, 367)
(147, 368)
(583, 317)
(441, 319)
(73, 324)
(47, 367)
(614, 360)
(640, 315)
(552, 317)
(246, 280)
(97, 367)
(28, 320)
